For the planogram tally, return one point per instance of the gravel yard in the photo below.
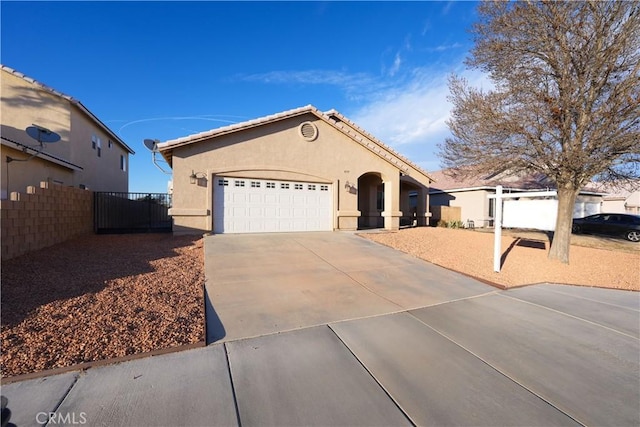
(100, 297)
(524, 257)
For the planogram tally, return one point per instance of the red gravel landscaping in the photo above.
(100, 297)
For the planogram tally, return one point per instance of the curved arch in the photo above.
(371, 200)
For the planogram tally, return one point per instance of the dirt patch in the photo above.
(100, 297)
(524, 257)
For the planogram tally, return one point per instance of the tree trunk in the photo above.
(564, 221)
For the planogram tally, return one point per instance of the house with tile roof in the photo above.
(298, 170)
(88, 154)
(471, 194)
(620, 197)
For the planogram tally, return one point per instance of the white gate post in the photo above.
(497, 225)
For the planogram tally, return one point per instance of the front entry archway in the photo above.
(370, 201)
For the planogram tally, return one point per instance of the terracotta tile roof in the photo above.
(331, 117)
(616, 190)
(522, 182)
(444, 181)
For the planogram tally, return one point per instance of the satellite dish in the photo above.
(151, 144)
(41, 134)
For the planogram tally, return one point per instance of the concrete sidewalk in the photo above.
(396, 341)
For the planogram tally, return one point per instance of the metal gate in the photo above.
(132, 213)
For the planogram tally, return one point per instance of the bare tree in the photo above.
(565, 102)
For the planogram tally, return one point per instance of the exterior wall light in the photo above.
(195, 176)
(351, 188)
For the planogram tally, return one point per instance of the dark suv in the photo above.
(623, 225)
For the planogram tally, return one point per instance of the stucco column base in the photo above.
(348, 220)
(423, 220)
(190, 221)
(391, 220)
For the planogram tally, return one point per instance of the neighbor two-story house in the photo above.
(87, 155)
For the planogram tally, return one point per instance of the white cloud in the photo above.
(349, 82)
(396, 65)
(407, 111)
(414, 112)
(447, 7)
(444, 47)
(412, 117)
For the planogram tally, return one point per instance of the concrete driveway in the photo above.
(331, 329)
(265, 283)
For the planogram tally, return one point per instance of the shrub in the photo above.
(455, 224)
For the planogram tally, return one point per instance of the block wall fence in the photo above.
(445, 213)
(42, 217)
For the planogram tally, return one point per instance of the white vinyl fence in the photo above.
(540, 214)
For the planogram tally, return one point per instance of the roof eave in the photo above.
(104, 127)
(72, 100)
(355, 133)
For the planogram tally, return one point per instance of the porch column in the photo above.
(423, 207)
(392, 213)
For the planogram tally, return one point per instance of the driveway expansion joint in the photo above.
(499, 371)
(563, 313)
(233, 387)
(382, 387)
(76, 377)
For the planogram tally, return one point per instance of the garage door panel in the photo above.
(239, 198)
(271, 212)
(250, 206)
(285, 212)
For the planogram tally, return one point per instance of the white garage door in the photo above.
(242, 205)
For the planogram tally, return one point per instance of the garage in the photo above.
(297, 170)
(247, 205)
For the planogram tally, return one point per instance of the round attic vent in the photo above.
(308, 131)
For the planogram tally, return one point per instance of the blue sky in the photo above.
(164, 70)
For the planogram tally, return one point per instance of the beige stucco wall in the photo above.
(632, 204)
(613, 206)
(474, 205)
(100, 173)
(24, 104)
(17, 176)
(277, 151)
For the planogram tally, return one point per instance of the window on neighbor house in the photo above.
(492, 207)
(99, 147)
(123, 163)
(94, 140)
(110, 144)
